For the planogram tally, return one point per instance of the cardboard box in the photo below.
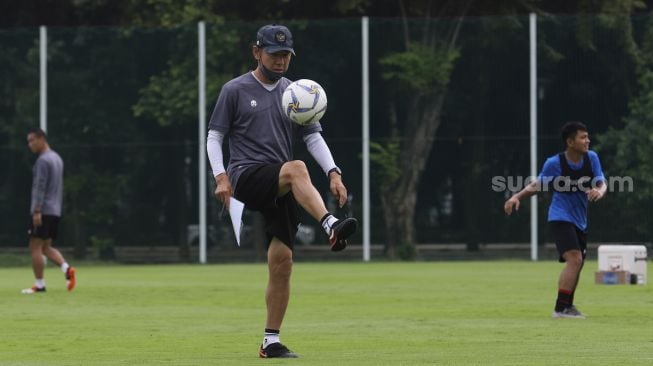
(612, 278)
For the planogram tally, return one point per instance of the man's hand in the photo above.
(337, 188)
(512, 202)
(37, 219)
(595, 194)
(223, 189)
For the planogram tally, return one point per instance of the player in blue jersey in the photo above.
(262, 172)
(576, 178)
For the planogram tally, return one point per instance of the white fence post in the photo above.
(533, 133)
(201, 106)
(43, 43)
(366, 138)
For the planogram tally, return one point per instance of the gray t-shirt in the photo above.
(252, 116)
(47, 184)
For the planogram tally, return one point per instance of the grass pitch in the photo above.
(445, 313)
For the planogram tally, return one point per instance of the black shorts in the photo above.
(48, 230)
(568, 237)
(257, 188)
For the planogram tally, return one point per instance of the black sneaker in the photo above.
(340, 231)
(276, 350)
(569, 312)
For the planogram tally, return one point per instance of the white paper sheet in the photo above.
(236, 213)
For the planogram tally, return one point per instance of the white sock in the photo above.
(40, 283)
(64, 267)
(328, 222)
(269, 338)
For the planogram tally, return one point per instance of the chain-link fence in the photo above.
(122, 112)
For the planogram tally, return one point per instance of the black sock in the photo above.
(565, 300)
(271, 331)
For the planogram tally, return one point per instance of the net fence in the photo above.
(122, 112)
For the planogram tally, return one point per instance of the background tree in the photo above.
(627, 147)
(419, 78)
(18, 104)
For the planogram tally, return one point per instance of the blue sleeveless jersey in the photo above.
(572, 206)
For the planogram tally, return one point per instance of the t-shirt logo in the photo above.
(252, 103)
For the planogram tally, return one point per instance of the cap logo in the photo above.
(280, 37)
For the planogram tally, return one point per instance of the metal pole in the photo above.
(533, 132)
(366, 138)
(201, 41)
(43, 43)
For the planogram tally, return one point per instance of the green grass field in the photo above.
(445, 313)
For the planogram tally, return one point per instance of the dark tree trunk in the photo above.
(399, 201)
(418, 130)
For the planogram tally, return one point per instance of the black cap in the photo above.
(274, 38)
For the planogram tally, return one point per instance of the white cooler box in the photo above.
(629, 258)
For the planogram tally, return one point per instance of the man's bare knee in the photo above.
(297, 169)
(574, 259)
(292, 174)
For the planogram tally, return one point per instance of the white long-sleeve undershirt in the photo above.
(214, 149)
(320, 151)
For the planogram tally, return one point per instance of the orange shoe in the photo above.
(70, 278)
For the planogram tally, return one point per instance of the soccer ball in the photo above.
(304, 101)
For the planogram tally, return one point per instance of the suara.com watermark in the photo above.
(561, 183)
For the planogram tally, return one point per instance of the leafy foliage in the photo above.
(628, 151)
(171, 13)
(420, 68)
(124, 108)
(171, 97)
(613, 15)
(628, 148)
(386, 157)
